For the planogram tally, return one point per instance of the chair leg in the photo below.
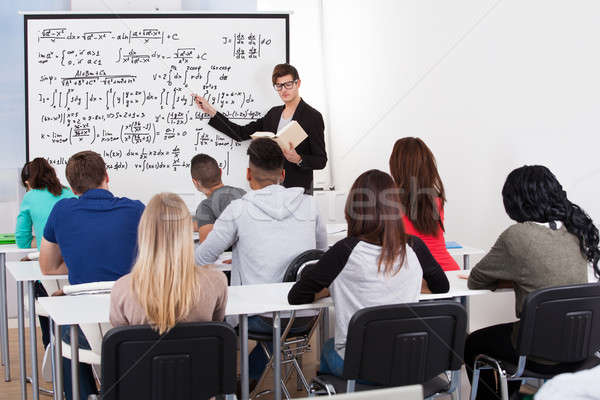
(503, 385)
(300, 376)
(299, 381)
(475, 382)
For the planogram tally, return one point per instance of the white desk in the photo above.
(6, 249)
(242, 300)
(28, 272)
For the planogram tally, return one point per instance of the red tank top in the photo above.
(436, 243)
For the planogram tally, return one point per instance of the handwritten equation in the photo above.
(127, 93)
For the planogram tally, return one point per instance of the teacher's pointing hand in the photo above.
(203, 104)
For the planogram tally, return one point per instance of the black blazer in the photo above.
(312, 149)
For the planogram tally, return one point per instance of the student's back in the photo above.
(96, 235)
(165, 286)
(377, 264)
(44, 191)
(413, 166)
(272, 226)
(268, 227)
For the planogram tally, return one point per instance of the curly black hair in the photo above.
(532, 193)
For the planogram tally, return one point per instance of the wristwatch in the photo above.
(299, 163)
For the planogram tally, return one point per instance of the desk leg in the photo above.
(58, 388)
(53, 359)
(244, 367)
(22, 355)
(4, 318)
(33, 342)
(277, 355)
(465, 299)
(75, 361)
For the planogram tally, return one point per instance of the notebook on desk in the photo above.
(7, 238)
(453, 245)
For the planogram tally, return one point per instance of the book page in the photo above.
(292, 133)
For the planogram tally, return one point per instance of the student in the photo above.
(165, 286)
(43, 191)
(268, 227)
(206, 176)
(376, 264)
(95, 236)
(307, 156)
(550, 245)
(414, 169)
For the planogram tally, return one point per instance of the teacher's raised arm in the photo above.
(309, 155)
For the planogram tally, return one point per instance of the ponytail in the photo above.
(581, 225)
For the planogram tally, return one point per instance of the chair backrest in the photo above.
(192, 360)
(304, 258)
(405, 344)
(561, 324)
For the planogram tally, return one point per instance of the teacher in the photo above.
(308, 155)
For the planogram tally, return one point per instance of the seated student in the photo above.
(414, 169)
(165, 286)
(92, 238)
(43, 191)
(267, 228)
(376, 264)
(550, 245)
(206, 176)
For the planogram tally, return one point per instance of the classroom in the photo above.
(295, 198)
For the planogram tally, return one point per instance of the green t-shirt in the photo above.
(35, 208)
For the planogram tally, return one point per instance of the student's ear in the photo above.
(220, 173)
(282, 175)
(248, 175)
(197, 185)
(106, 178)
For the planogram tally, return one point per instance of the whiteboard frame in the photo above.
(131, 15)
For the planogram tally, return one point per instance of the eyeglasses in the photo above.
(287, 85)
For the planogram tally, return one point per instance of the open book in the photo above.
(291, 133)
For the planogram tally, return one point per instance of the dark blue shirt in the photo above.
(97, 235)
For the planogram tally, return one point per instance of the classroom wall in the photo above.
(488, 85)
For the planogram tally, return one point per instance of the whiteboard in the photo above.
(122, 86)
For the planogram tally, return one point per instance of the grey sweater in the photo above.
(532, 256)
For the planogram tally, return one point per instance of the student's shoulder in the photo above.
(519, 231)
(122, 286)
(135, 204)
(212, 276)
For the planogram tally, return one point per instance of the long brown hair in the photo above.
(414, 169)
(40, 174)
(373, 215)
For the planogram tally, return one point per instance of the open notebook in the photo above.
(291, 133)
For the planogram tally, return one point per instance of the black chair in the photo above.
(402, 344)
(297, 331)
(191, 361)
(560, 325)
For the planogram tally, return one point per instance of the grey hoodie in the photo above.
(267, 229)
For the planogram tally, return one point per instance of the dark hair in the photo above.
(205, 170)
(283, 70)
(373, 215)
(85, 170)
(266, 154)
(414, 169)
(41, 175)
(532, 193)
